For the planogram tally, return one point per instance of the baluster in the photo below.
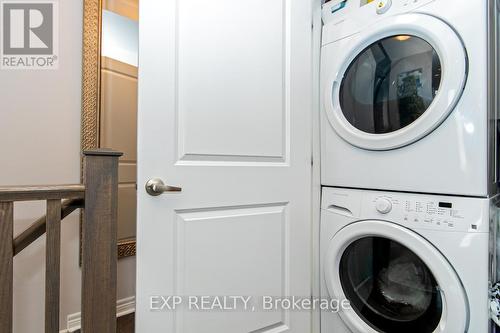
(6, 260)
(52, 265)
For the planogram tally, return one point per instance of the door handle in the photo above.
(156, 187)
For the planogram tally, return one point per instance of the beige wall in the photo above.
(40, 144)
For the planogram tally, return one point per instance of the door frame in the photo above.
(317, 27)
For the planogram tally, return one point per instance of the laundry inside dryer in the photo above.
(390, 286)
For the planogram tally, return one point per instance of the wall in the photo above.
(40, 135)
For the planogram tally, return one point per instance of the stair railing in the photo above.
(98, 196)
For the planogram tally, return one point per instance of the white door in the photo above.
(224, 113)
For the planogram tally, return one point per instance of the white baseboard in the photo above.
(124, 307)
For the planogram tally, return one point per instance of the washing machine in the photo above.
(409, 263)
(408, 96)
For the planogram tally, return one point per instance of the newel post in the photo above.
(99, 241)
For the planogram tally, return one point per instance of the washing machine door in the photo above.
(396, 82)
(395, 281)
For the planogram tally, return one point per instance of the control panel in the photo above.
(346, 17)
(442, 213)
(414, 211)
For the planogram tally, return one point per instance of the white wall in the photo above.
(40, 144)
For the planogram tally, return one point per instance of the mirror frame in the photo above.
(91, 93)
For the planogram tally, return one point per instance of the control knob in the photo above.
(383, 205)
(383, 6)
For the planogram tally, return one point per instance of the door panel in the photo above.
(241, 72)
(228, 245)
(224, 113)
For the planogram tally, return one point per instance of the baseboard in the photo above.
(124, 307)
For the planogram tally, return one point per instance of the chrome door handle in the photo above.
(156, 187)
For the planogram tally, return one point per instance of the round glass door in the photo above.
(395, 280)
(390, 287)
(390, 84)
(393, 84)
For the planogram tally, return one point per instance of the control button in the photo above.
(383, 6)
(383, 205)
(449, 224)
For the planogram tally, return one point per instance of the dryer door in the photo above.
(399, 81)
(395, 280)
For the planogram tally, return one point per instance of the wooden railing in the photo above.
(98, 196)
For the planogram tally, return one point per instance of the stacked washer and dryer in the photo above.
(409, 164)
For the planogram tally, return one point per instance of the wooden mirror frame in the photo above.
(91, 92)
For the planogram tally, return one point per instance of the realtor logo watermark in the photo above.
(30, 34)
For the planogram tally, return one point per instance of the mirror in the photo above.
(109, 101)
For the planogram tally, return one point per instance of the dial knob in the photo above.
(383, 6)
(383, 205)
